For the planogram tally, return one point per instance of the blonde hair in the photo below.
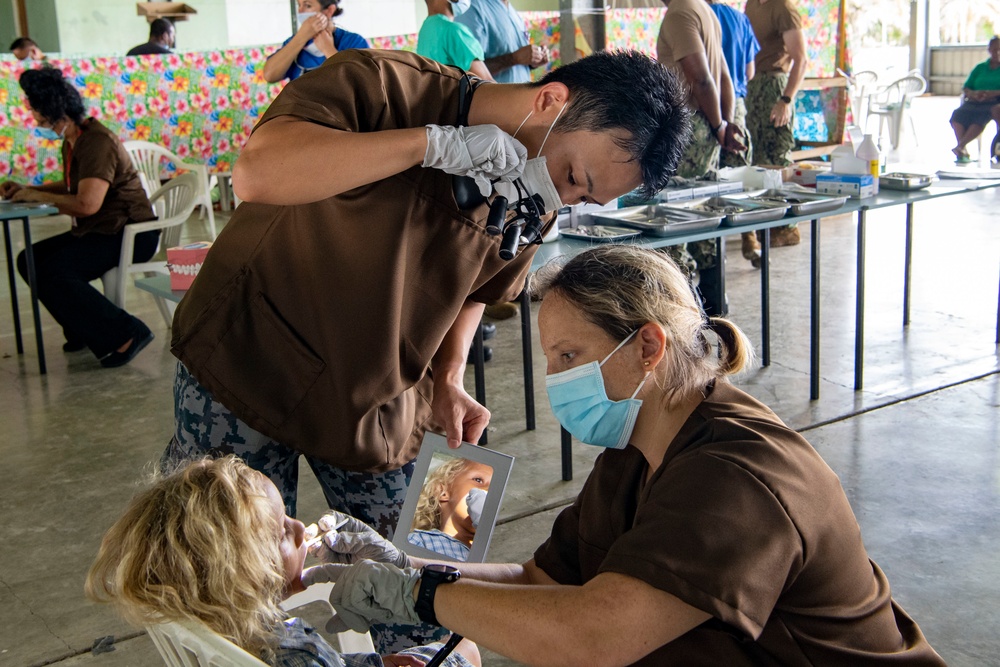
(620, 288)
(427, 516)
(200, 544)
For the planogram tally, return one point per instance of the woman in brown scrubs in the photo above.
(708, 533)
(101, 190)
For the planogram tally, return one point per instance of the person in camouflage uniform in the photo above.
(780, 67)
(690, 43)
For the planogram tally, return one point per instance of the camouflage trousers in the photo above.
(205, 427)
(771, 145)
(700, 158)
(702, 154)
(744, 159)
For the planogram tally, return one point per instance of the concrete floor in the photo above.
(917, 450)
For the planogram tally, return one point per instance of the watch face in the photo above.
(441, 568)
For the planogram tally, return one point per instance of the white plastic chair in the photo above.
(147, 158)
(174, 202)
(193, 644)
(347, 641)
(860, 87)
(890, 104)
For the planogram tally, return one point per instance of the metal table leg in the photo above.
(566, 446)
(814, 321)
(526, 358)
(908, 257)
(13, 288)
(29, 256)
(765, 298)
(859, 307)
(479, 365)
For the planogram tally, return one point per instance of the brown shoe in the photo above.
(751, 248)
(782, 236)
(501, 311)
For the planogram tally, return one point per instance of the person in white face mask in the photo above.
(316, 38)
(445, 40)
(708, 533)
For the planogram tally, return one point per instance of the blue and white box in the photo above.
(858, 186)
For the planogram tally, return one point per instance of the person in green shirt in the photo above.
(980, 102)
(442, 39)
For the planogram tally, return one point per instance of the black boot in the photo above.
(713, 296)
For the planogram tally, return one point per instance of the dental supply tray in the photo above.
(599, 233)
(798, 202)
(734, 211)
(660, 220)
(898, 180)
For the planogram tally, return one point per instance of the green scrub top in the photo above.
(982, 77)
(447, 42)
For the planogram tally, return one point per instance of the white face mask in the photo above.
(302, 17)
(459, 7)
(311, 47)
(536, 178)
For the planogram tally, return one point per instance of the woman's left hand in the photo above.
(28, 195)
(324, 41)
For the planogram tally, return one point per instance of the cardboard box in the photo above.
(855, 185)
(185, 262)
(175, 11)
(729, 187)
(806, 173)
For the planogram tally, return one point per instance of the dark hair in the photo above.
(23, 43)
(994, 38)
(51, 95)
(327, 3)
(627, 90)
(159, 28)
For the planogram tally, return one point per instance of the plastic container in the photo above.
(868, 152)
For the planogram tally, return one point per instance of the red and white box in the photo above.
(184, 263)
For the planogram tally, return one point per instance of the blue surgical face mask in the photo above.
(581, 404)
(50, 134)
(459, 7)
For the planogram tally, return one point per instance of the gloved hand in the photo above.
(354, 541)
(367, 593)
(483, 152)
(476, 500)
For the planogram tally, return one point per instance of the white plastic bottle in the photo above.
(868, 152)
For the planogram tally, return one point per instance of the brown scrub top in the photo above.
(770, 21)
(746, 522)
(316, 323)
(690, 26)
(98, 153)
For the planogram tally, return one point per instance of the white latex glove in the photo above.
(484, 152)
(367, 593)
(476, 500)
(349, 540)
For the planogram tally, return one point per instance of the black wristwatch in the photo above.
(430, 576)
(786, 99)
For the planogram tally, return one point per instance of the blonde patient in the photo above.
(211, 542)
(441, 521)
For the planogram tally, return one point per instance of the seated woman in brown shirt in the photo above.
(101, 190)
(708, 533)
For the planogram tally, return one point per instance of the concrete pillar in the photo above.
(590, 15)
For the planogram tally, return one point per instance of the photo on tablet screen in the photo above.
(454, 498)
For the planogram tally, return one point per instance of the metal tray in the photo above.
(799, 203)
(736, 211)
(599, 233)
(660, 220)
(898, 180)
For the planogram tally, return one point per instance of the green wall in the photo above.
(7, 32)
(94, 27)
(42, 25)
